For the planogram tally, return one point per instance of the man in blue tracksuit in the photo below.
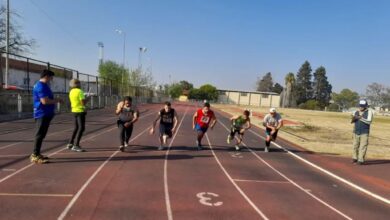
(362, 119)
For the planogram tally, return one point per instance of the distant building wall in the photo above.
(262, 99)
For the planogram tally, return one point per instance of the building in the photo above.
(261, 99)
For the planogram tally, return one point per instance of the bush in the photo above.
(333, 107)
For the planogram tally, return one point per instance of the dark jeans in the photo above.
(42, 126)
(79, 127)
(124, 133)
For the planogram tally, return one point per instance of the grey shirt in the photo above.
(272, 121)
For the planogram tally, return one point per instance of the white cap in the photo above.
(272, 110)
(363, 103)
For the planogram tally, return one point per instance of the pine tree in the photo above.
(303, 83)
(322, 88)
(265, 84)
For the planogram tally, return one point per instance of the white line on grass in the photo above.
(294, 183)
(235, 184)
(166, 190)
(81, 190)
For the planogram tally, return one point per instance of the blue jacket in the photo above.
(362, 126)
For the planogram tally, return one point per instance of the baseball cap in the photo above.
(363, 103)
(272, 110)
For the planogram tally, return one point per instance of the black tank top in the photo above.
(167, 117)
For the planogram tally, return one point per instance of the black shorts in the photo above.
(268, 133)
(234, 130)
(166, 130)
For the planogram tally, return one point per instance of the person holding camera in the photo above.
(128, 115)
(361, 119)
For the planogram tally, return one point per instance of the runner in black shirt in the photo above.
(168, 121)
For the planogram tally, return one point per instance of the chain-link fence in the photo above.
(16, 100)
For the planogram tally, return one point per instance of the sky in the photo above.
(227, 43)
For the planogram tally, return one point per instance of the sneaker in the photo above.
(69, 146)
(126, 145)
(354, 161)
(360, 163)
(77, 149)
(122, 148)
(237, 147)
(161, 147)
(38, 159)
(228, 139)
(266, 149)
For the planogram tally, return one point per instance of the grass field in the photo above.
(325, 132)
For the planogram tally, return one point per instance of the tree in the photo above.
(289, 95)
(141, 79)
(113, 71)
(18, 43)
(321, 87)
(303, 83)
(346, 98)
(208, 92)
(376, 93)
(265, 84)
(186, 85)
(277, 88)
(175, 90)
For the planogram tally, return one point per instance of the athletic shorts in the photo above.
(200, 129)
(166, 130)
(234, 130)
(268, 133)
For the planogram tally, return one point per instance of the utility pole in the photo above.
(7, 47)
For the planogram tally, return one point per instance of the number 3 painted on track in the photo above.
(205, 199)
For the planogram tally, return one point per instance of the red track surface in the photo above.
(143, 183)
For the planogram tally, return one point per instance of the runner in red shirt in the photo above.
(202, 120)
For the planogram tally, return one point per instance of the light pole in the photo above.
(7, 48)
(101, 52)
(124, 52)
(141, 50)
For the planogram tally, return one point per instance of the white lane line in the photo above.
(81, 190)
(292, 182)
(166, 189)
(36, 195)
(235, 184)
(60, 150)
(49, 135)
(349, 183)
(260, 181)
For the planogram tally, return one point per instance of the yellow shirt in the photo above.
(75, 97)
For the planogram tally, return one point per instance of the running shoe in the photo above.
(354, 161)
(161, 147)
(69, 146)
(126, 145)
(77, 149)
(237, 147)
(266, 149)
(38, 159)
(122, 148)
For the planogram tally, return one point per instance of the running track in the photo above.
(179, 183)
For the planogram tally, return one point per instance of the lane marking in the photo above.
(81, 190)
(235, 184)
(236, 155)
(49, 135)
(260, 181)
(8, 170)
(166, 189)
(349, 183)
(292, 182)
(205, 199)
(35, 195)
(60, 150)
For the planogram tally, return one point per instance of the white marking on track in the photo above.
(205, 198)
(35, 195)
(234, 183)
(166, 189)
(349, 183)
(236, 155)
(81, 190)
(294, 183)
(260, 181)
